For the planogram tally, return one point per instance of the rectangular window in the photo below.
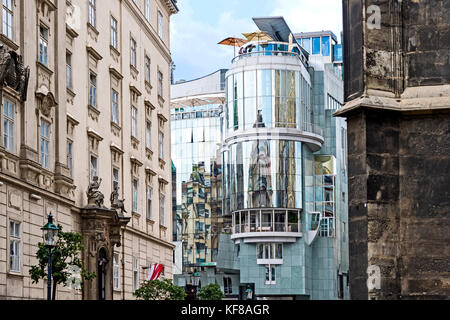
(269, 251)
(326, 46)
(147, 69)
(162, 199)
(316, 45)
(93, 167)
(135, 274)
(116, 271)
(114, 42)
(92, 13)
(148, 130)
(149, 203)
(8, 125)
(270, 275)
(45, 143)
(227, 285)
(7, 15)
(92, 89)
(115, 177)
(70, 157)
(135, 195)
(160, 83)
(43, 45)
(133, 121)
(147, 10)
(306, 44)
(68, 70)
(115, 106)
(160, 24)
(14, 246)
(133, 46)
(161, 145)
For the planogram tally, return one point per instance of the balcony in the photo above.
(255, 225)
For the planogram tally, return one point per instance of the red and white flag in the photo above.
(155, 271)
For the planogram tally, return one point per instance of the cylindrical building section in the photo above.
(268, 120)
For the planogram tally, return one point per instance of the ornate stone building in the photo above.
(85, 94)
(397, 92)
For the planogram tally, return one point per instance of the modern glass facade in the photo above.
(283, 179)
(195, 132)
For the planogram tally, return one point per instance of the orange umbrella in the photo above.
(235, 42)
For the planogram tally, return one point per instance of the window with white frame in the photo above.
(115, 106)
(135, 274)
(92, 89)
(148, 140)
(8, 18)
(270, 275)
(134, 121)
(93, 167)
(115, 177)
(114, 41)
(161, 145)
(227, 285)
(269, 251)
(162, 200)
(160, 83)
(9, 110)
(93, 13)
(45, 143)
(43, 45)
(135, 195)
(160, 24)
(147, 10)
(116, 271)
(14, 246)
(147, 69)
(133, 53)
(70, 156)
(149, 202)
(68, 70)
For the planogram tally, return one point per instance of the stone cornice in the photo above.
(150, 237)
(159, 44)
(413, 99)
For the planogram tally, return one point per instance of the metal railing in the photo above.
(265, 53)
(266, 226)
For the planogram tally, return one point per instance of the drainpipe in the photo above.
(123, 263)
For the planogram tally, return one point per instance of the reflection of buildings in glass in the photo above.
(260, 179)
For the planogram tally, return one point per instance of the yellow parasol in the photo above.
(259, 35)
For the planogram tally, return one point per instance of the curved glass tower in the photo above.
(277, 189)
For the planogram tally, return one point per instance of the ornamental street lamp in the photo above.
(50, 233)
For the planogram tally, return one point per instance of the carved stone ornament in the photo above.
(95, 197)
(116, 203)
(13, 72)
(47, 100)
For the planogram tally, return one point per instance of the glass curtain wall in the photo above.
(268, 98)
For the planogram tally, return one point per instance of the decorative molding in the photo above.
(113, 71)
(94, 53)
(93, 112)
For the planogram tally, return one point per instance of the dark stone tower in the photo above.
(397, 90)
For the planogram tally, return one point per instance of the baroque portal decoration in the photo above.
(13, 72)
(95, 197)
(116, 203)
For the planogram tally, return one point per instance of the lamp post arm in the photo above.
(49, 275)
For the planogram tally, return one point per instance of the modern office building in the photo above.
(196, 120)
(284, 166)
(85, 93)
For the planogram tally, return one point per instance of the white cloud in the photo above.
(307, 15)
(194, 36)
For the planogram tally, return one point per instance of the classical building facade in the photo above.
(85, 91)
(397, 92)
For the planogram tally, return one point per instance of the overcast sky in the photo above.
(201, 24)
